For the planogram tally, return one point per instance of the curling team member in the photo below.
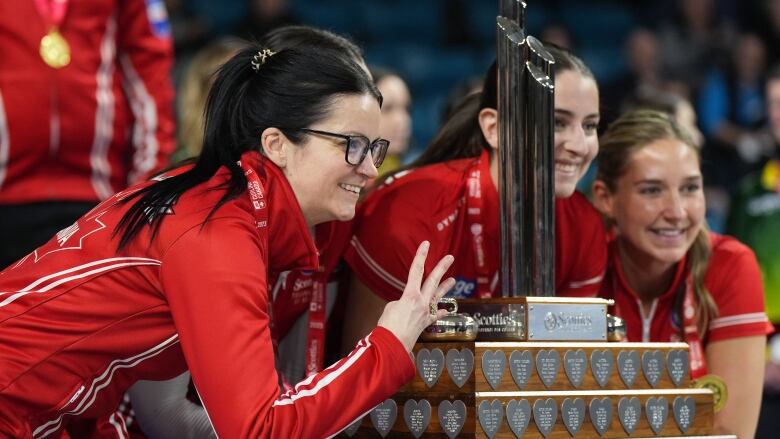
(173, 273)
(672, 279)
(449, 195)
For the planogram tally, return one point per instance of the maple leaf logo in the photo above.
(72, 237)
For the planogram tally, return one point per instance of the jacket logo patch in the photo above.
(72, 237)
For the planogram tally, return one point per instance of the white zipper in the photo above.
(647, 320)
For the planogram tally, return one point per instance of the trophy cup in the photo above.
(530, 364)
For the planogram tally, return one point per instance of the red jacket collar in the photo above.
(290, 243)
(624, 285)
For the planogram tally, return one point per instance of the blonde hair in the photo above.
(193, 91)
(624, 137)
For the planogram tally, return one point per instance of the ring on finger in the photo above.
(433, 310)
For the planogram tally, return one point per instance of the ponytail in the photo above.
(292, 89)
(699, 259)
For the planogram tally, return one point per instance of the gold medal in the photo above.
(718, 387)
(54, 50)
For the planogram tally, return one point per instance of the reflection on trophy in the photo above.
(530, 364)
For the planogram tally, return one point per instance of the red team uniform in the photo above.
(80, 323)
(734, 281)
(455, 206)
(108, 115)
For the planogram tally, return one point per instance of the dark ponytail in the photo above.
(292, 89)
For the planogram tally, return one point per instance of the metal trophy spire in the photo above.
(526, 159)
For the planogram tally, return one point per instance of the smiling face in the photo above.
(576, 124)
(326, 186)
(658, 204)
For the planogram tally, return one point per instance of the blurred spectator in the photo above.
(264, 15)
(755, 220)
(695, 40)
(189, 29)
(765, 21)
(194, 89)
(731, 111)
(643, 75)
(558, 35)
(396, 125)
(86, 108)
(755, 213)
(670, 103)
(731, 102)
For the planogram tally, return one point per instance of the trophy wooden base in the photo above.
(545, 390)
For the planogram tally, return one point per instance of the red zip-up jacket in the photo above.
(84, 131)
(80, 323)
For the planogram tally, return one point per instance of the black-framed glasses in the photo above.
(357, 146)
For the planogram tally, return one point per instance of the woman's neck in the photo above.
(647, 277)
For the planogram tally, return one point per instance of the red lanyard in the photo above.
(315, 340)
(691, 333)
(475, 220)
(690, 330)
(52, 11)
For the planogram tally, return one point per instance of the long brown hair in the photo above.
(624, 137)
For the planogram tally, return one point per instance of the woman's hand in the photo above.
(409, 315)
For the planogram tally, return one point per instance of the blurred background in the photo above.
(714, 54)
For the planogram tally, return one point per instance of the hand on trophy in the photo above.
(409, 315)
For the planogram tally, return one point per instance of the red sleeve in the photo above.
(580, 247)
(145, 53)
(734, 281)
(389, 229)
(215, 283)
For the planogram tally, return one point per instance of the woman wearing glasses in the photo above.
(173, 273)
(449, 195)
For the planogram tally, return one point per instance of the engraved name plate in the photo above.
(417, 416)
(573, 413)
(460, 364)
(497, 321)
(653, 366)
(545, 415)
(429, 365)
(677, 362)
(383, 416)
(575, 363)
(562, 321)
(601, 364)
(518, 414)
(521, 366)
(629, 412)
(491, 415)
(493, 364)
(452, 416)
(628, 366)
(601, 414)
(684, 409)
(547, 364)
(657, 412)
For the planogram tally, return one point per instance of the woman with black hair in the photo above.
(449, 195)
(173, 273)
